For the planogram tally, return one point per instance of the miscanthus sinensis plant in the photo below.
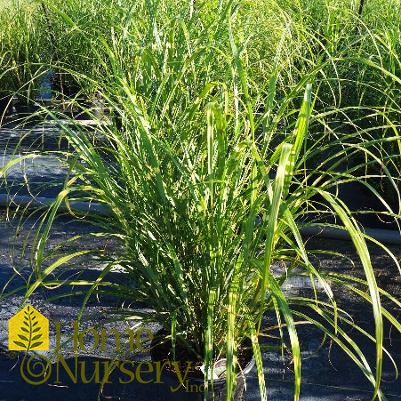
(205, 178)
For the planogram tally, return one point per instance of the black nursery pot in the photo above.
(193, 387)
(6, 105)
(24, 109)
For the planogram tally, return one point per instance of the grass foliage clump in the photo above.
(24, 48)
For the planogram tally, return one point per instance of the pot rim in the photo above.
(194, 379)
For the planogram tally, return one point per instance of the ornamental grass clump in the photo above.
(24, 49)
(206, 178)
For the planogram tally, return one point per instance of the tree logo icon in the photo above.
(28, 330)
